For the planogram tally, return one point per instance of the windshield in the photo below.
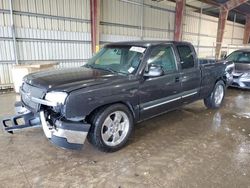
(239, 57)
(119, 59)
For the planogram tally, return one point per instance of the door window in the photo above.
(186, 56)
(163, 56)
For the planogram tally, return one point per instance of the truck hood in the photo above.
(69, 79)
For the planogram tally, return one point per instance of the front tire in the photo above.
(215, 99)
(111, 128)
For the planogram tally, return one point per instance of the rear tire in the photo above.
(111, 128)
(215, 99)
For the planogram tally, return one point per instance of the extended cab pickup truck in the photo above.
(124, 83)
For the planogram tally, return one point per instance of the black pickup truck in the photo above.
(124, 83)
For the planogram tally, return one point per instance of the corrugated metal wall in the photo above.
(131, 20)
(45, 31)
(201, 30)
(59, 30)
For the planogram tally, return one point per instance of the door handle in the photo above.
(177, 79)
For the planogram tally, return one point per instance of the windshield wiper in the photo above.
(100, 68)
(109, 69)
(88, 65)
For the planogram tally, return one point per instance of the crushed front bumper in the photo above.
(23, 119)
(63, 133)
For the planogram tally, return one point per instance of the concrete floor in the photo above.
(190, 147)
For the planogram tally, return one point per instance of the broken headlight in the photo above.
(56, 97)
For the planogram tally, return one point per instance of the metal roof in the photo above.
(212, 7)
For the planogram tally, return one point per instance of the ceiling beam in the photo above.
(187, 5)
(231, 4)
(211, 2)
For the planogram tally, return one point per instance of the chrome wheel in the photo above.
(115, 128)
(218, 94)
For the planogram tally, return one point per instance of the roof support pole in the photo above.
(247, 30)
(199, 31)
(232, 39)
(95, 24)
(142, 18)
(220, 31)
(13, 32)
(179, 12)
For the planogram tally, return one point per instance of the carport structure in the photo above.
(222, 9)
(225, 6)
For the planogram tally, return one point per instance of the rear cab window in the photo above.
(186, 56)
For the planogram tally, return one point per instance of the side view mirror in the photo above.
(154, 70)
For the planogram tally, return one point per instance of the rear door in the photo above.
(162, 93)
(190, 75)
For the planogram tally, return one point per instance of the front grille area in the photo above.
(235, 84)
(236, 77)
(27, 92)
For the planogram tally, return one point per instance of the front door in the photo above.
(162, 93)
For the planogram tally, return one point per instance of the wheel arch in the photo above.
(222, 78)
(127, 104)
